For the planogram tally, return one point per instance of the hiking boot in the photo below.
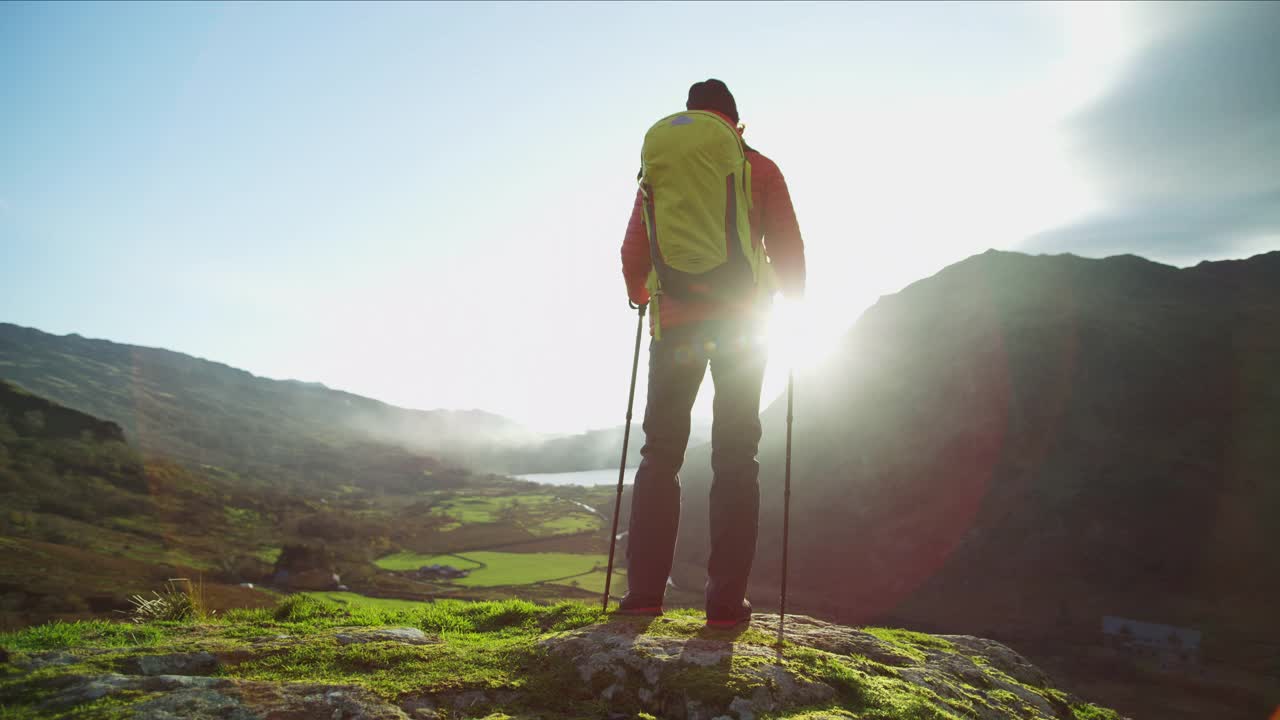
(719, 618)
(640, 607)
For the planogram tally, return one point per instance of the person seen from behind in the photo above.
(690, 332)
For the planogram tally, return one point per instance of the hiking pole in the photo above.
(622, 466)
(786, 509)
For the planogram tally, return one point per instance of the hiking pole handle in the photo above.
(622, 465)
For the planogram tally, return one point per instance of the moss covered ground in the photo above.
(495, 647)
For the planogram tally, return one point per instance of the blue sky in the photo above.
(423, 202)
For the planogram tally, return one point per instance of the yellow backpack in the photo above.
(696, 183)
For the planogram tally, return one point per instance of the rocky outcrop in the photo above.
(671, 667)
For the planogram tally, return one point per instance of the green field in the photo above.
(487, 509)
(567, 524)
(594, 582)
(413, 561)
(503, 568)
(354, 600)
(539, 514)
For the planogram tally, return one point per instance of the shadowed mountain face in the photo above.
(1021, 445)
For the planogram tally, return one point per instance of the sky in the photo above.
(423, 203)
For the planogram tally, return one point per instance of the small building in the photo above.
(1167, 644)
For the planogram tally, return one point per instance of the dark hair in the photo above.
(712, 95)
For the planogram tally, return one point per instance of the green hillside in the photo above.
(90, 521)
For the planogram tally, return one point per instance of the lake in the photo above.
(583, 477)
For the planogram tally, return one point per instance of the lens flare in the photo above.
(798, 338)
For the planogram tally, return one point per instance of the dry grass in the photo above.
(179, 600)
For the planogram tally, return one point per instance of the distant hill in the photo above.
(206, 412)
(1021, 445)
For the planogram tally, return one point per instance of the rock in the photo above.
(180, 682)
(743, 708)
(407, 635)
(804, 630)
(655, 672)
(1001, 658)
(675, 669)
(49, 659)
(75, 690)
(197, 663)
(193, 703)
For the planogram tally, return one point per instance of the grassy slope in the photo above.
(89, 521)
(486, 646)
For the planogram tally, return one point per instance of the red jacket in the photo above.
(773, 222)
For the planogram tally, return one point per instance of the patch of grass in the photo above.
(901, 637)
(490, 645)
(910, 643)
(525, 568)
(96, 633)
(241, 517)
(494, 569)
(413, 561)
(180, 600)
(472, 661)
(306, 614)
(568, 524)
(1093, 712)
(820, 713)
(538, 514)
(268, 555)
(490, 508)
(874, 696)
(344, 599)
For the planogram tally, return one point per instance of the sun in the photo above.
(799, 336)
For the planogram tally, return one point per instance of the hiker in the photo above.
(689, 330)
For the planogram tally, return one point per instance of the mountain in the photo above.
(1020, 446)
(205, 412)
(305, 659)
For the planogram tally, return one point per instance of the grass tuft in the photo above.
(1093, 712)
(179, 601)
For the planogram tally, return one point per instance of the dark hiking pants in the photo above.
(677, 364)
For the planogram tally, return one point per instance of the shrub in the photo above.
(180, 600)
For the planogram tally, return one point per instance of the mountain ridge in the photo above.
(1019, 446)
(182, 405)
